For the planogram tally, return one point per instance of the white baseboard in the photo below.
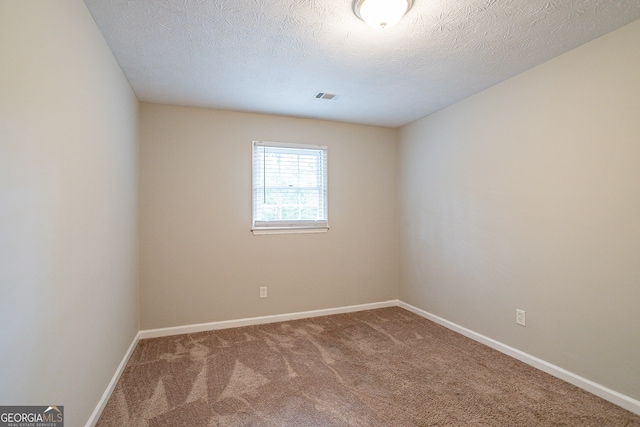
(612, 396)
(211, 326)
(93, 419)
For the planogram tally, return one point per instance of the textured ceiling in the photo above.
(273, 56)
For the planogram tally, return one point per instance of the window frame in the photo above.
(289, 226)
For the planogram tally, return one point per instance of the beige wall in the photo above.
(68, 202)
(199, 262)
(527, 196)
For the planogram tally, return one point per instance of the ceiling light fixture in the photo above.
(381, 14)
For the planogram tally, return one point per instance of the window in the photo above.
(289, 188)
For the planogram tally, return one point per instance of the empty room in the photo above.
(320, 213)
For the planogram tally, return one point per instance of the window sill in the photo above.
(289, 230)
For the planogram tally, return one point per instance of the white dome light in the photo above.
(381, 14)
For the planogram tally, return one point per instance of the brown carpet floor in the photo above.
(385, 367)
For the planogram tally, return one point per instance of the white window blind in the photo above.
(289, 187)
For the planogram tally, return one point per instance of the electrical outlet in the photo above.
(520, 317)
(263, 291)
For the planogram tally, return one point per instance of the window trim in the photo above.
(288, 226)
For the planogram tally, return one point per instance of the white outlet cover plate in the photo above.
(520, 317)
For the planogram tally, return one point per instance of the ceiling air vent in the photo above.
(329, 96)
